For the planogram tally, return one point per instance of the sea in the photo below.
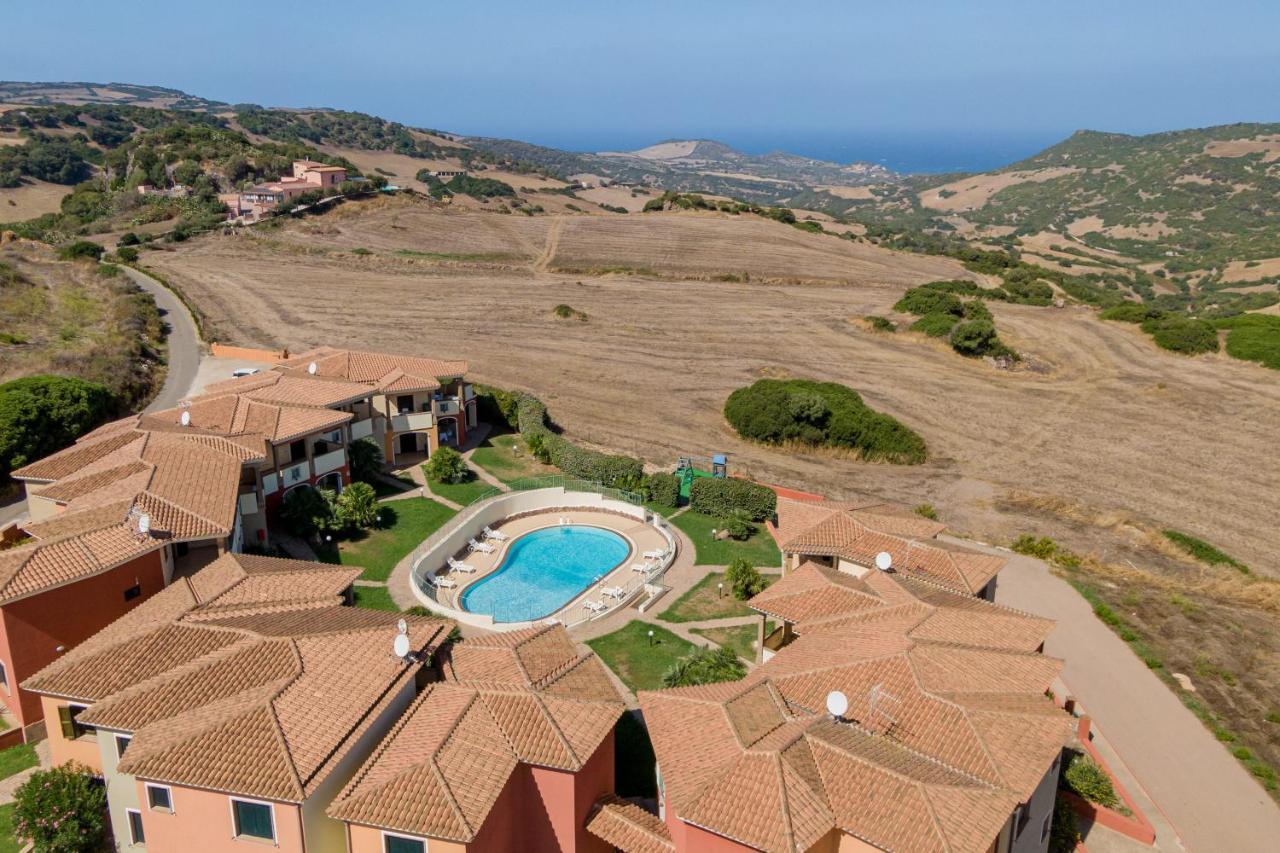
(908, 152)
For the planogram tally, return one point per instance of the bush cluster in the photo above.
(61, 810)
(1182, 334)
(446, 465)
(720, 497)
(624, 472)
(1085, 778)
(704, 666)
(820, 413)
(744, 579)
(664, 489)
(940, 311)
(43, 414)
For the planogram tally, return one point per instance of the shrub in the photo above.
(496, 406)
(881, 324)
(43, 414)
(128, 254)
(935, 325)
(81, 249)
(664, 489)
(547, 446)
(1203, 551)
(927, 511)
(1253, 337)
(924, 300)
(357, 506)
(955, 285)
(307, 511)
(744, 579)
(1131, 312)
(365, 458)
(1086, 779)
(1043, 548)
(819, 413)
(1182, 334)
(446, 465)
(976, 338)
(704, 666)
(720, 496)
(61, 810)
(128, 238)
(1064, 834)
(738, 525)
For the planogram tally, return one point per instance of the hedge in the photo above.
(820, 413)
(664, 489)
(43, 414)
(720, 496)
(609, 469)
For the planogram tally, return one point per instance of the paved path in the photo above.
(1207, 796)
(11, 784)
(183, 341)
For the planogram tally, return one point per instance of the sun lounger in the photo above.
(459, 566)
(595, 606)
(482, 547)
(656, 554)
(495, 535)
(614, 591)
(443, 583)
(642, 567)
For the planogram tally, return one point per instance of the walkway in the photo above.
(183, 342)
(10, 784)
(1203, 793)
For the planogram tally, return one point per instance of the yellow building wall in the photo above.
(82, 750)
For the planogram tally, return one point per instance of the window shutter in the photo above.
(68, 724)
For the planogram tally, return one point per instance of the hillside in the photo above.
(120, 94)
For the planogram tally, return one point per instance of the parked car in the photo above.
(246, 371)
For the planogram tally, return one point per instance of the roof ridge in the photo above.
(784, 804)
(284, 684)
(181, 509)
(555, 727)
(964, 713)
(933, 816)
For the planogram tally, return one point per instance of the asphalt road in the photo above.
(184, 342)
(1204, 793)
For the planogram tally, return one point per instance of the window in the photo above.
(297, 450)
(136, 833)
(160, 798)
(71, 728)
(133, 592)
(253, 820)
(402, 844)
(4, 676)
(122, 743)
(1044, 827)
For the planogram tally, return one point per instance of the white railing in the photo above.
(445, 407)
(411, 421)
(331, 461)
(361, 429)
(295, 474)
(468, 392)
(270, 484)
(248, 503)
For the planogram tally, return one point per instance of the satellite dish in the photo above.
(402, 626)
(185, 418)
(837, 704)
(144, 524)
(401, 645)
(312, 368)
(884, 561)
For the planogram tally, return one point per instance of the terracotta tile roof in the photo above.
(386, 372)
(66, 462)
(520, 697)
(235, 415)
(290, 390)
(628, 827)
(939, 744)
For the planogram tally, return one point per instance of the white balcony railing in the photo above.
(411, 421)
(295, 474)
(445, 407)
(248, 503)
(331, 461)
(361, 429)
(468, 392)
(270, 484)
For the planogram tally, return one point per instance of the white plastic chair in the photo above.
(443, 583)
(495, 535)
(459, 566)
(482, 547)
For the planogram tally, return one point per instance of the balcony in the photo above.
(294, 474)
(331, 461)
(448, 406)
(361, 429)
(411, 421)
(270, 484)
(248, 503)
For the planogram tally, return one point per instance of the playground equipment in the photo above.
(688, 472)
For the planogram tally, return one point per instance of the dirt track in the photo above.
(1111, 422)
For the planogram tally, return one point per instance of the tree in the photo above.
(308, 511)
(42, 414)
(975, 337)
(81, 249)
(446, 465)
(357, 506)
(739, 525)
(704, 666)
(61, 810)
(365, 458)
(744, 579)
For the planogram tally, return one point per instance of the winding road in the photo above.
(184, 342)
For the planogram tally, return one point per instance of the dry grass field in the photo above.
(974, 191)
(34, 198)
(1106, 419)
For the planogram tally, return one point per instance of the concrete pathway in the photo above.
(11, 784)
(1203, 794)
(183, 341)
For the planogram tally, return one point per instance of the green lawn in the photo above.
(759, 550)
(17, 758)
(627, 651)
(506, 457)
(374, 598)
(462, 494)
(8, 844)
(384, 487)
(409, 522)
(704, 601)
(741, 640)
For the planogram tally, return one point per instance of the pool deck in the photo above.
(641, 537)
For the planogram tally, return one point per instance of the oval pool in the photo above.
(544, 570)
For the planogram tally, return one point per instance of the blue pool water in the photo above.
(544, 570)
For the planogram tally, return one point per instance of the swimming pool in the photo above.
(544, 570)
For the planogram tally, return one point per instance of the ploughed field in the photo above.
(684, 308)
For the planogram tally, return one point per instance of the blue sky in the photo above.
(763, 74)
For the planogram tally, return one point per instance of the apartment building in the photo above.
(230, 709)
(260, 199)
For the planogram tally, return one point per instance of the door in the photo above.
(409, 442)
